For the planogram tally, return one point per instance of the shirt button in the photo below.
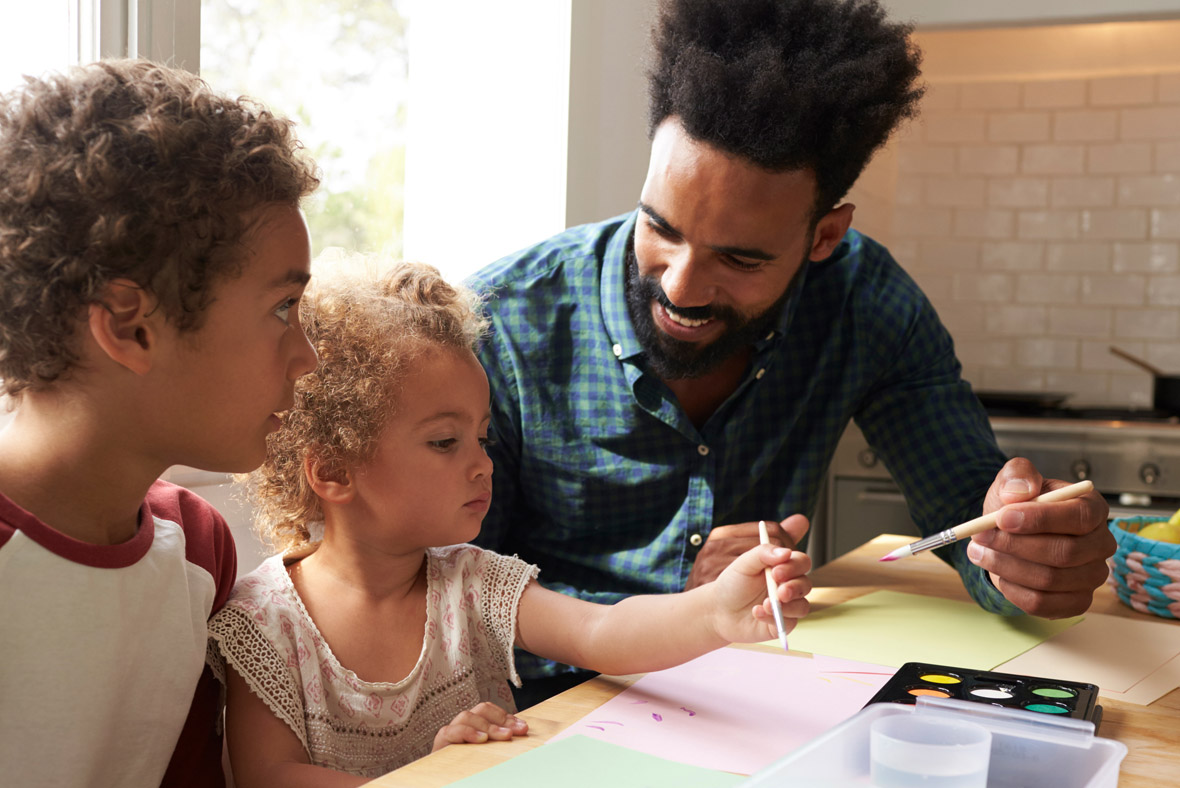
(760, 373)
(617, 350)
(702, 450)
(695, 540)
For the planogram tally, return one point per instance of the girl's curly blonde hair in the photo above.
(368, 330)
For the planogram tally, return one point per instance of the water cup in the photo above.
(907, 750)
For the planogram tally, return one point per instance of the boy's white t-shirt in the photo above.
(102, 647)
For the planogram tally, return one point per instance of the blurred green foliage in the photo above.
(338, 69)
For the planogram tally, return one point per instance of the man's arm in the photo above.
(935, 438)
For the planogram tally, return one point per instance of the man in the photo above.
(663, 380)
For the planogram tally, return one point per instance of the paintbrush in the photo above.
(981, 524)
(772, 590)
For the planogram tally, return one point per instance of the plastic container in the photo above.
(1028, 750)
(909, 749)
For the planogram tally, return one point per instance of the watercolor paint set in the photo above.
(1050, 697)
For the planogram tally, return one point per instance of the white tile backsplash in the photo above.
(1119, 158)
(1114, 290)
(1155, 258)
(1018, 192)
(1053, 160)
(1018, 127)
(1123, 91)
(1080, 322)
(1086, 191)
(1151, 123)
(1114, 224)
(1042, 218)
(1164, 291)
(1055, 93)
(988, 159)
(1143, 323)
(989, 95)
(1088, 125)
(1012, 255)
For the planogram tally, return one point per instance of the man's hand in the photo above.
(727, 542)
(1045, 558)
(486, 721)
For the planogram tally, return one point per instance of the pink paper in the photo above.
(733, 709)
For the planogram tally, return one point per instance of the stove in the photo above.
(1131, 454)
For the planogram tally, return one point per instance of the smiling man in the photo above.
(663, 380)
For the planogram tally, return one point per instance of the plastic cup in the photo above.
(908, 750)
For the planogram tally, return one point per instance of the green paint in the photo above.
(1045, 708)
(1051, 692)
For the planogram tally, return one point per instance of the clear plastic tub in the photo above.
(1027, 751)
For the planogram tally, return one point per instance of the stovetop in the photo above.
(1086, 413)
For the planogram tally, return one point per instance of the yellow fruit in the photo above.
(1161, 532)
(1175, 519)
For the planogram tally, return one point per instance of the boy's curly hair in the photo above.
(785, 84)
(125, 169)
(369, 331)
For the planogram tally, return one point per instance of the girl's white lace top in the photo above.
(370, 728)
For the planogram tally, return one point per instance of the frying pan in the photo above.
(1165, 392)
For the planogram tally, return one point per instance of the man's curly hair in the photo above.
(125, 169)
(370, 332)
(785, 84)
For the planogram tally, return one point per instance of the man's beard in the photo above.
(673, 359)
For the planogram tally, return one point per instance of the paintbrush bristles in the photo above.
(984, 523)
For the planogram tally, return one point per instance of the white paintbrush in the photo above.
(772, 591)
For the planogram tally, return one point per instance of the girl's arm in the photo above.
(653, 632)
(263, 750)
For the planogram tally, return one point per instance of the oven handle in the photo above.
(880, 496)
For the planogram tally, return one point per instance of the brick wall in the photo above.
(1042, 217)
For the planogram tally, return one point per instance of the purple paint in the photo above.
(691, 713)
(657, 718)
(597, 726)
(607, 722)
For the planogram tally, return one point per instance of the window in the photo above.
(34, 39)
(338, 68)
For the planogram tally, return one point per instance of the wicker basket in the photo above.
(1145, 572)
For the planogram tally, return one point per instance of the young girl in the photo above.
(388, 637)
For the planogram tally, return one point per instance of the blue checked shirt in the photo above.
(603, 481)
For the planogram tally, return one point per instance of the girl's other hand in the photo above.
(487, 721)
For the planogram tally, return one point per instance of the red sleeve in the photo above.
(197, 758)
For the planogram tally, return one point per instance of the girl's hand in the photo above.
(741, 608)
(486, 721)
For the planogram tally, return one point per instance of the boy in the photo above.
(152, 257)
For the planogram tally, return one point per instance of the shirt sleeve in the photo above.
(245, 635)
(504, 579)
(932, 433)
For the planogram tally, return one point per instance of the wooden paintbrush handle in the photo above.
(981, 524)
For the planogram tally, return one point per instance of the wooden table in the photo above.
(1151, 733)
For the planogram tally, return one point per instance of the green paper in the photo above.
(892, 628)
(582, 762)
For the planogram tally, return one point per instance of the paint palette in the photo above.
(1043, 696)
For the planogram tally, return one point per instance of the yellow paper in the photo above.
(892, 628)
